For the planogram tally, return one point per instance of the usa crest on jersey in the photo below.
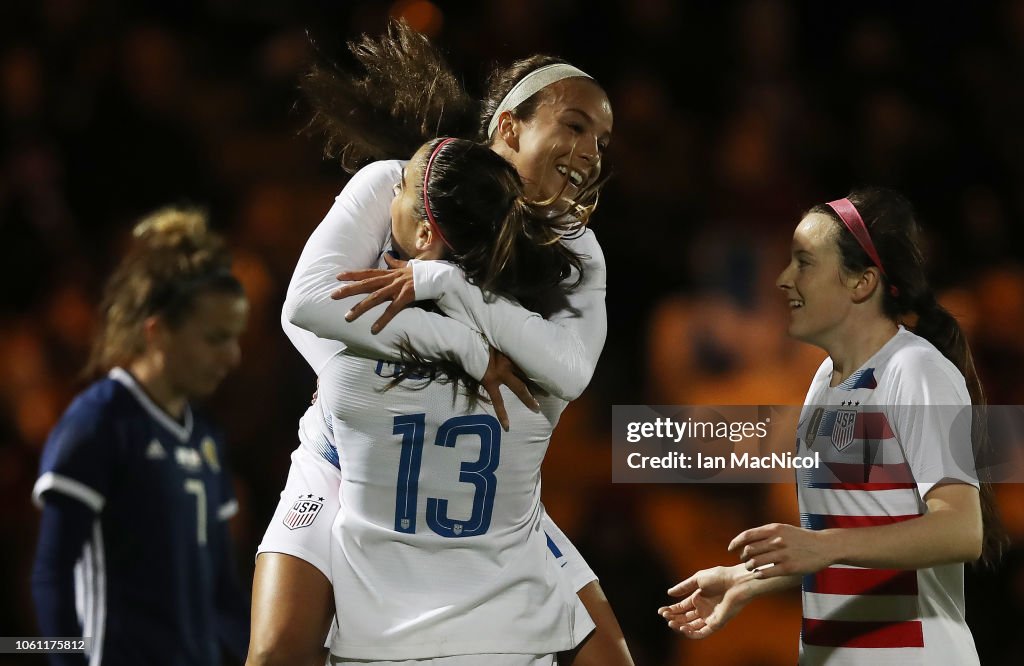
(303, 512)
(845, 427)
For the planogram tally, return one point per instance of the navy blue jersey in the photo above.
(150, 580)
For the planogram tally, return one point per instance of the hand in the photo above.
(782, 550)
(712, 597)
(502, 371)
(394, 284)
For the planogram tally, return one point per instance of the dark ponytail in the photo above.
(502, 242)
(498, 238)
(908, 298)
(395, 94)
(936, 325)
(529, 259)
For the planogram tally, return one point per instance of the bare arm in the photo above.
(292, 608)
(712, 597)
(606, 646)
(559, 354)
(949, 532)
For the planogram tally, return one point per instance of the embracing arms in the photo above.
(559, 354)
(352, 236)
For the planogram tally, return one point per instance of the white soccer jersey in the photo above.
(437, 545)
(886, 436)
(559, 354)
(301, 525)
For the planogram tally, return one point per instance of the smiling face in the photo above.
(820, 294)
(562, 141)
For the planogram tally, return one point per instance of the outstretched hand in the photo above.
(711, 597)
(502, 371)
(393, 284)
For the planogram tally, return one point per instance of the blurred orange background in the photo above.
(731, 118)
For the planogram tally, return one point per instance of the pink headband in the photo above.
(847, 212)
(426, 201)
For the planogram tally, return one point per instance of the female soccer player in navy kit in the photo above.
(133, 547)
(889, 520)
(552, 125)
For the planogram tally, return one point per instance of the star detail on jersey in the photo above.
(209, 448)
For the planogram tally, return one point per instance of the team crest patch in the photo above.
(843, 432)
(209, 448)
(303, 512)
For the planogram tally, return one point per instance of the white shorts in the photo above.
(459, 660)
(572, 563)
(312, 480)
(301, 526)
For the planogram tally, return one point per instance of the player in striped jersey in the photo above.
(538, 133)
(134, 550)
(891, 517)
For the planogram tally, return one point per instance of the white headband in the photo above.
(529, 85)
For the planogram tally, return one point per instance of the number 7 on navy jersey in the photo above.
(479, 472)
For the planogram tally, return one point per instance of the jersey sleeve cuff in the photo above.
(925, 488)
(479, 359)
(428, 278)
(67, 486)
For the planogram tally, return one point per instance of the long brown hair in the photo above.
(496, 236)
(173, 258)
(396, 93)
(391, 94)
(491, 231)
(895, 232)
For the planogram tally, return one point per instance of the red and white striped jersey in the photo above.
(886, 436)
